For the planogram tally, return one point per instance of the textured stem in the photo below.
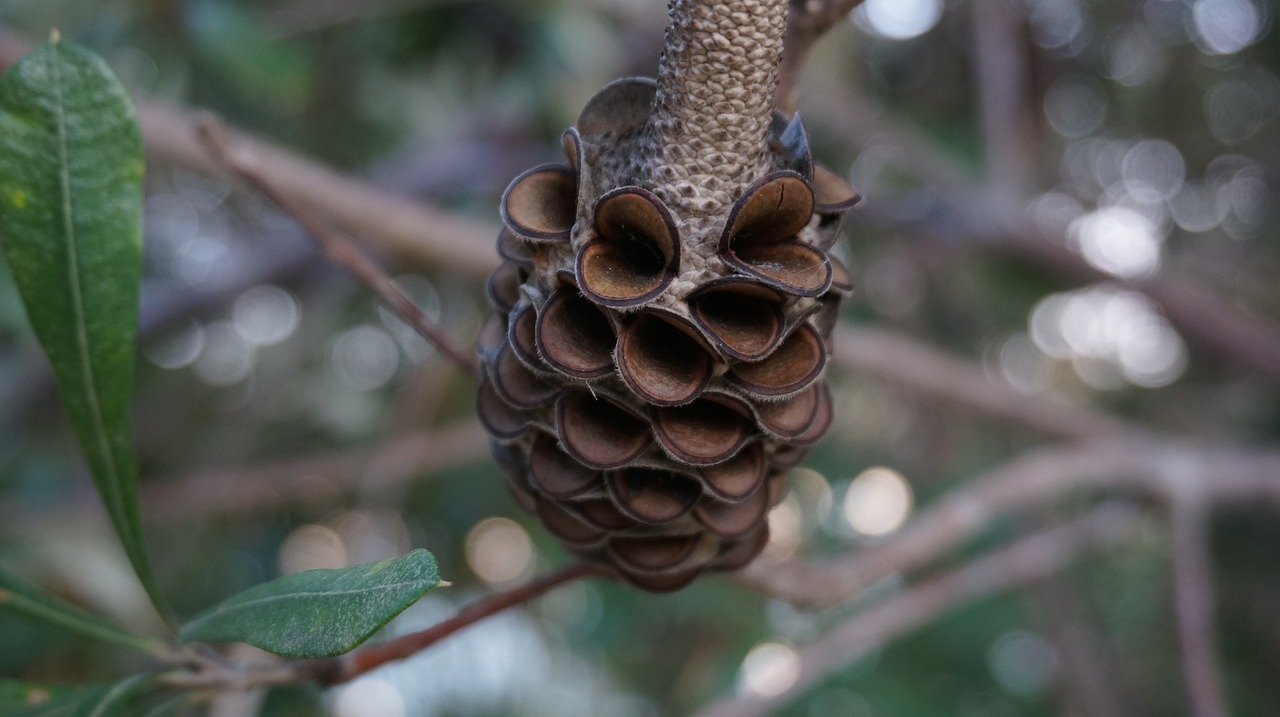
(716, 83)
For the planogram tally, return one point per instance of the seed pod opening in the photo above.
(734, 520)
(738, 477)
(519, 386)
(521, 333)
(541, 204)
(500, 419)
(554, 473)
(567, 528)
(793, 366)
(635, 252)
(760, 236)
(503, 286)
(738, 553)
(514, 249)
(706, 432)
(653, 496)
(831, 193)
(653, 554)
(574, 337)
(661, 361)
(742, 316)
(791, 417)
(598, 432)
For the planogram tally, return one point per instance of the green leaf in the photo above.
(25, 699)
(319, 613)
(21, 597)
(71, 223)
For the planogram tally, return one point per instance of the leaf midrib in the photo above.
(77, 294)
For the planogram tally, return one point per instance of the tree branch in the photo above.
(1026, 561)
(240, 160)
(807, 22)
(1034, 479)
(1194, 606)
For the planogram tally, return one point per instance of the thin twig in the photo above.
(1035, 479)
(240, 160)
(807, 22)
(1194, 606)
(1000, 63)
(357, 663)
(1026, 561)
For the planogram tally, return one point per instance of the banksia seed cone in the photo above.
(664, 305)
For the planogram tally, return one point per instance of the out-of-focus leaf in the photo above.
(24, 699)
(71, 224)
(319, 613)
(20, 597)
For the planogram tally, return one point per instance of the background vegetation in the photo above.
(1068, 237)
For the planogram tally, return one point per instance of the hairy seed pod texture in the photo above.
(664, 308)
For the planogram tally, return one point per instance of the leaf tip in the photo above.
(55, 36)
(444, 584)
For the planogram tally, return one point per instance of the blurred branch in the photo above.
(1026, 561)
(1032, 480)
(1194, 606)
(256, 489)
(241, 160)
(915, 366)
(968, 218)
(1000, 63)
(398, 225)
(807, 22)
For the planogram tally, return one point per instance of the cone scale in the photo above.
(654, 363)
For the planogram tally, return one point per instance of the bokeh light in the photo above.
(1225, 27)
(312, 546)
(364, 357)
(369, 697)
(499, 550)
(265, 315)
(1118, 240)
(1105, 326)
(877, 502)
(898, 19)
(769, 669)
(225, 358)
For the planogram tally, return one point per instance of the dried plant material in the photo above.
(574, 336)
(734, 520)
(831, 193)
(661, 361)
(503, 286)
(556, 474)
(500, 419)
(738, 477)
(653, 496)
(668, 327)
(742, 316)
(635, 252)
(703, 433)
(541, 203)
(797, 363)
(654, 554)
(599, 432)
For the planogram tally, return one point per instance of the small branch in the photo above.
(1034, 479)
(917, 367)
(240, 160)
(1028, 560)
(358, 663)
(1000, 62)
(807, 22)
(1194, 606)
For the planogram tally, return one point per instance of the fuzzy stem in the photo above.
(716, 85)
